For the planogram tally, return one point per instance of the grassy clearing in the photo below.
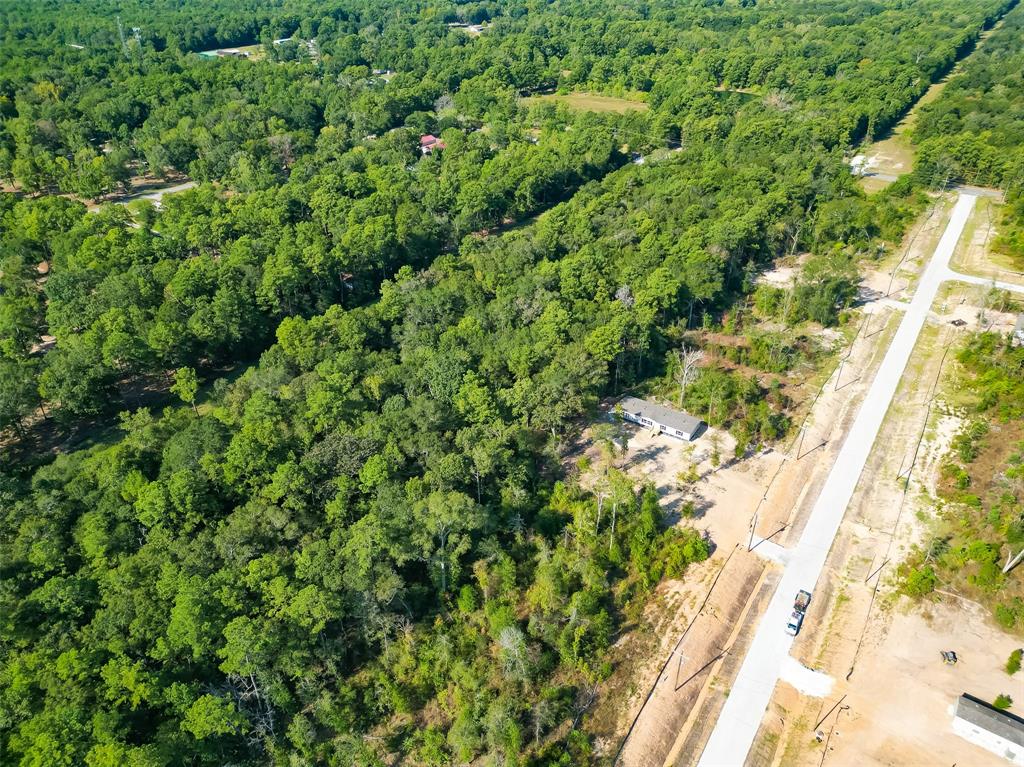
(895, 152)
(590, 102)
(976, 254)
(872, 184)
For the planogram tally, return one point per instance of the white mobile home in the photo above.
(664, 419)
(983, 725)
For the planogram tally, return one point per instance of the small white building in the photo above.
(664, 419)
(999, 732)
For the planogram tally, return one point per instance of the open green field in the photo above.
(253, 52)
(590, 102)
(894, 154)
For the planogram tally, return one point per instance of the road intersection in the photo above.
(767, 655)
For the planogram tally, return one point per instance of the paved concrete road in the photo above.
(748, 698)
(973, 279)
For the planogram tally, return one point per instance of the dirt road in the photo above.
(156, 194)
(748, 699)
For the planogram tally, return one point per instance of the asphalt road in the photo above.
(749, 696)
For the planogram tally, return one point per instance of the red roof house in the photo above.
(429, 143)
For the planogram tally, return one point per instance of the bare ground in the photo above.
(974, 253)
(883, 652)
(702, 642)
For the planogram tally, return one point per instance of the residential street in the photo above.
(976, 280)
(752, 690)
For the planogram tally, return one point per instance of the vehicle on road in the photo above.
(796, 620)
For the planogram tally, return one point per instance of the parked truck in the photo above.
(796, 620)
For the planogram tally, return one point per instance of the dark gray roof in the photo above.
(979, 713)
(666, 416)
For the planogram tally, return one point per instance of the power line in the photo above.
(899, 513)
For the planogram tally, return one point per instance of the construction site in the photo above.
(711, 677)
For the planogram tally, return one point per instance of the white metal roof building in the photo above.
(664, 419)
(997, 731)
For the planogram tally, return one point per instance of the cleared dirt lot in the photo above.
(778, 485)
(975, 255)
(896, 709)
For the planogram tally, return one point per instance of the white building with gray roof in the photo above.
(999, 732)
(666, 420)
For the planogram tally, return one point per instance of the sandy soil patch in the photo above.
(894, 691)
(785, 272)
(976, 306)
(900, 704)
(974, 254)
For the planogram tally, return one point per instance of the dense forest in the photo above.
(345, 529)
(974, 131)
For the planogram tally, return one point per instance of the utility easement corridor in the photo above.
(748, 698)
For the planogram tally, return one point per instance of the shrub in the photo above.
(1005, 616)
(920, 581)
(1002, 702)
(1013, 662)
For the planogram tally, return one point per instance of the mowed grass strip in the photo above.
(589, 102)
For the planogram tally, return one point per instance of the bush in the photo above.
(920, 582)
(1005, 616)
(1013, 662)
(680, 548)
(1002, 702)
